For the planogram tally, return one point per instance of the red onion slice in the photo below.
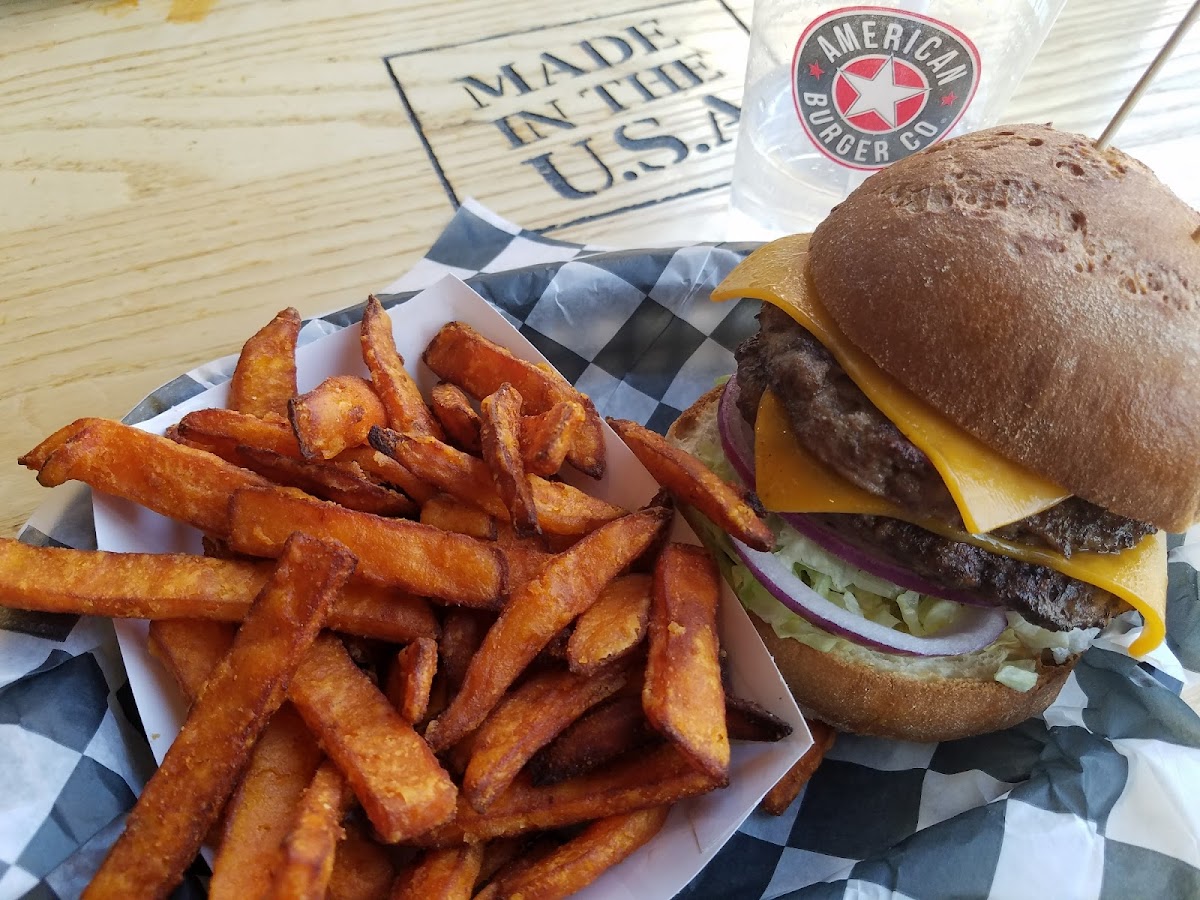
(737, 440)
(974, 629)
(880, 567)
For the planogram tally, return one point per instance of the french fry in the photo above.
(745, 720)
(447, 874)
(453, 409)
(362, 869)
(500, 438)
(735, 511)
(264, 379)
(223, 431)
(36, 458)
(218, 548)
(451, 471)
(336, 414)
(461, 355)
(386, 471)
(306, 857)
(526, 853)
(657, 777)
(127, 585)
(451, 514)
(328, 482)
(367, 610)
(498, 854)
(683, 696)
(525, 561)
(525, 721)
(649, 558)
(411, 679)
(537, 611)
(546, 438)
(392, 552)
(439, 697)
(580, 861)
(611, 730)
(189, 649)
(619, 726)
(395, 776)
(349, 716)
(184, 797)
(168, 478)
(614, 625)
(463, 631)
(179, 586)
(561, 509)
(402, 401)
(343, 709)
(260, 811)
(788, 788)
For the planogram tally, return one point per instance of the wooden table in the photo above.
(174, 171)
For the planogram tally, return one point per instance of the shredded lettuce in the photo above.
(1014, 653)
(1020, 675)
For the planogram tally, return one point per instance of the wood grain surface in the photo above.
(172, 172)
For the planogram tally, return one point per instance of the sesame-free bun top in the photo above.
(1045, 296)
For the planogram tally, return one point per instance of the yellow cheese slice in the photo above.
(785, 480)
(989, 490)
(790, 479)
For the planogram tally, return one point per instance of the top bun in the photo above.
(1045, 296)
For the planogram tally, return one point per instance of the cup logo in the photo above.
(872, 85)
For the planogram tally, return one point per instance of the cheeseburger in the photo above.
(972, 408)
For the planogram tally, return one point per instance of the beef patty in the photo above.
(843, 429)
(1040, 594)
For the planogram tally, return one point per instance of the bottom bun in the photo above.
(865, 691)
(852, 695)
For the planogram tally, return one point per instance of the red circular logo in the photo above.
(872, 85)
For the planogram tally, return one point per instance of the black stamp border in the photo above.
(438, 169)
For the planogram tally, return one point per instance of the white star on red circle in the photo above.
(878, 94)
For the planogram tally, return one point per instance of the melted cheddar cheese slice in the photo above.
(989, 490)
(790, 479)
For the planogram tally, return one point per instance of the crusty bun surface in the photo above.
(1045, 296)
(860, 690)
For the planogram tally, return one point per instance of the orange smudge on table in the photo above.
(189, 10)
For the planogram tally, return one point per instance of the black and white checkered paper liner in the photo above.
(1098, 798)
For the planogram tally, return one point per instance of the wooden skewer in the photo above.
(1144, 82)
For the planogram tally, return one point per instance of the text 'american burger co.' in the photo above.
(873, 85)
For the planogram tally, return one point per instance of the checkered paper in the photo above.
(1095, 799)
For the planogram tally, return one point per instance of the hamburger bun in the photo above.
(1042, 294)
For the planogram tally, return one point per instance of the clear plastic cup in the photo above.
(834, 93)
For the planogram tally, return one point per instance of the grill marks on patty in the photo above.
(843, 429)
(1040, 594)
